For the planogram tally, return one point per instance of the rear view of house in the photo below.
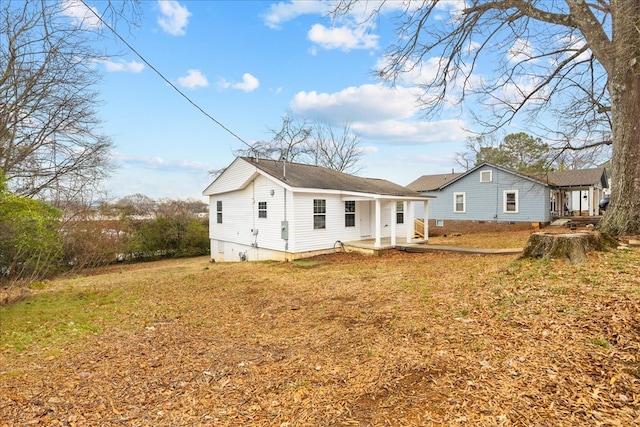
(262, 209)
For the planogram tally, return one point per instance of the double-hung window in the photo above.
(319, 214)
(399, 212)
(459, 202)
(219, 211)
(262, 209)
(510, 201)
(350, 213)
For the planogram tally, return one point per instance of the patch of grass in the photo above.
(53, 319)
(38, 285)
(307, 263)
(600, 342)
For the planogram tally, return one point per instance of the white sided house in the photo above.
(262, 209)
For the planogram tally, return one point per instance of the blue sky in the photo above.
(247, 63)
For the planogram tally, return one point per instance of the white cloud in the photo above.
(248, 84)
(131, 66)
(80, 14)
(520, 51)
(400, 132)
(368, 149)
(570, 44)
(364, 103)
(344, 38)
(193, 79)
(283, 12)
(174, 17)
(513, 90)
(378, 113)
(160, 163)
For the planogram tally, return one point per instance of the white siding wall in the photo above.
(306, 238)
(241, 229)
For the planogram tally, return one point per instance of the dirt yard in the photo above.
(435, 339)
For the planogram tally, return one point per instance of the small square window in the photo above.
(486, 176)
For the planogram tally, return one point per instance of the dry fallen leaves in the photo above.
(402, 339)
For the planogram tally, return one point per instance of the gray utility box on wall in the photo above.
(284, 230)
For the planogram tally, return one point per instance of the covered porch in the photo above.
(576, 201)
(380, 229)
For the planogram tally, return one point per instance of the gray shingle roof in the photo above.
(432, 182)
(577, 178)
(308, 176)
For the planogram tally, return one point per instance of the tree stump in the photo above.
(569, 245)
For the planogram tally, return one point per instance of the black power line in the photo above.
(163, 77)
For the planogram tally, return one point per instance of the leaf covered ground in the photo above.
(347, 340)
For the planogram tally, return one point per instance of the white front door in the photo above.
(365, 219)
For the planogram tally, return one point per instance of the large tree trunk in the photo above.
(623, 214)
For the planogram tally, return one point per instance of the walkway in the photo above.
(420, 246)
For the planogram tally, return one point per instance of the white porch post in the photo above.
(394, 211)
(378, 227)
(426, 221)
(411, 217)
(591, 199)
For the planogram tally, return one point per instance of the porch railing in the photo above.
(418, 228)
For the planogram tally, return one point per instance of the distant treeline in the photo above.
(38, 240)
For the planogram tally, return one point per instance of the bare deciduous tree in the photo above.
(50, 145)
(578, 61)
(335, 149)
(314, 143)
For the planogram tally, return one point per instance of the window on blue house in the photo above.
(510, 201)
(459, 202)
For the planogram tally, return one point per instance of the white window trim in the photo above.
(399, 210)
(504, 202)
(464, 202)
(319, 213)
(490, 175)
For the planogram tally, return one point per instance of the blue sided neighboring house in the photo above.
(493, 193)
